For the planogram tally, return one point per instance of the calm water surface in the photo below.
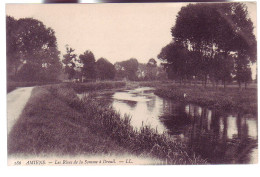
(220, 137)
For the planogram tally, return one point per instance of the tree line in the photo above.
(86, 68)
(32, 55)
(211, 42)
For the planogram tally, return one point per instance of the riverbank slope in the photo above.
(229, 99)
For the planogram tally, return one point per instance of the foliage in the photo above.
(216, 37)
(151, 69)
(104, 69)
(152, 62)
(69, 60)
(176, 60)
(89, 66)
(127, 69)
(32, 53)
(242, 70)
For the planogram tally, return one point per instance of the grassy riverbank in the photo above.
(230, 99)
(56, 121)
(93, 86)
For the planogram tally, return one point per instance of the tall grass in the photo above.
(56, 121)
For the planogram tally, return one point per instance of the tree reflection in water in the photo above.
(219, 137)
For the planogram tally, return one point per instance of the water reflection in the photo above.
(140, 104)
(221, 137)
(217, 136)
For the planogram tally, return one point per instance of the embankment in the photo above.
(230, 99)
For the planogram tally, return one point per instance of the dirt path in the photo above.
(16, 101)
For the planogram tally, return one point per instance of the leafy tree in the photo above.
(141, 72)
(195, 29)
(161, 73)
(242, 71)
(151, 69)
(176, 61)
(31, 45)
(120, 71)
(105, 69)
(89, 66)
(127, 69)
(213, 30)
(244, 42)
(152, 63)
(69, 60)
(12, 52)
(224, 67)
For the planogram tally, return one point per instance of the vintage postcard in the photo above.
(131, 84)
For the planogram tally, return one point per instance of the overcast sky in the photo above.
(113, 31)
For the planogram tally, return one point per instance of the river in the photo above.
(219, 137)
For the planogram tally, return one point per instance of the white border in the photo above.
(133, 171)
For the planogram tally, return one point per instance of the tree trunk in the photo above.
(245, 85)
(205, 81)
(239, 84)
(224, 83)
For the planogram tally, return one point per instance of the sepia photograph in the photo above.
(131, 84)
